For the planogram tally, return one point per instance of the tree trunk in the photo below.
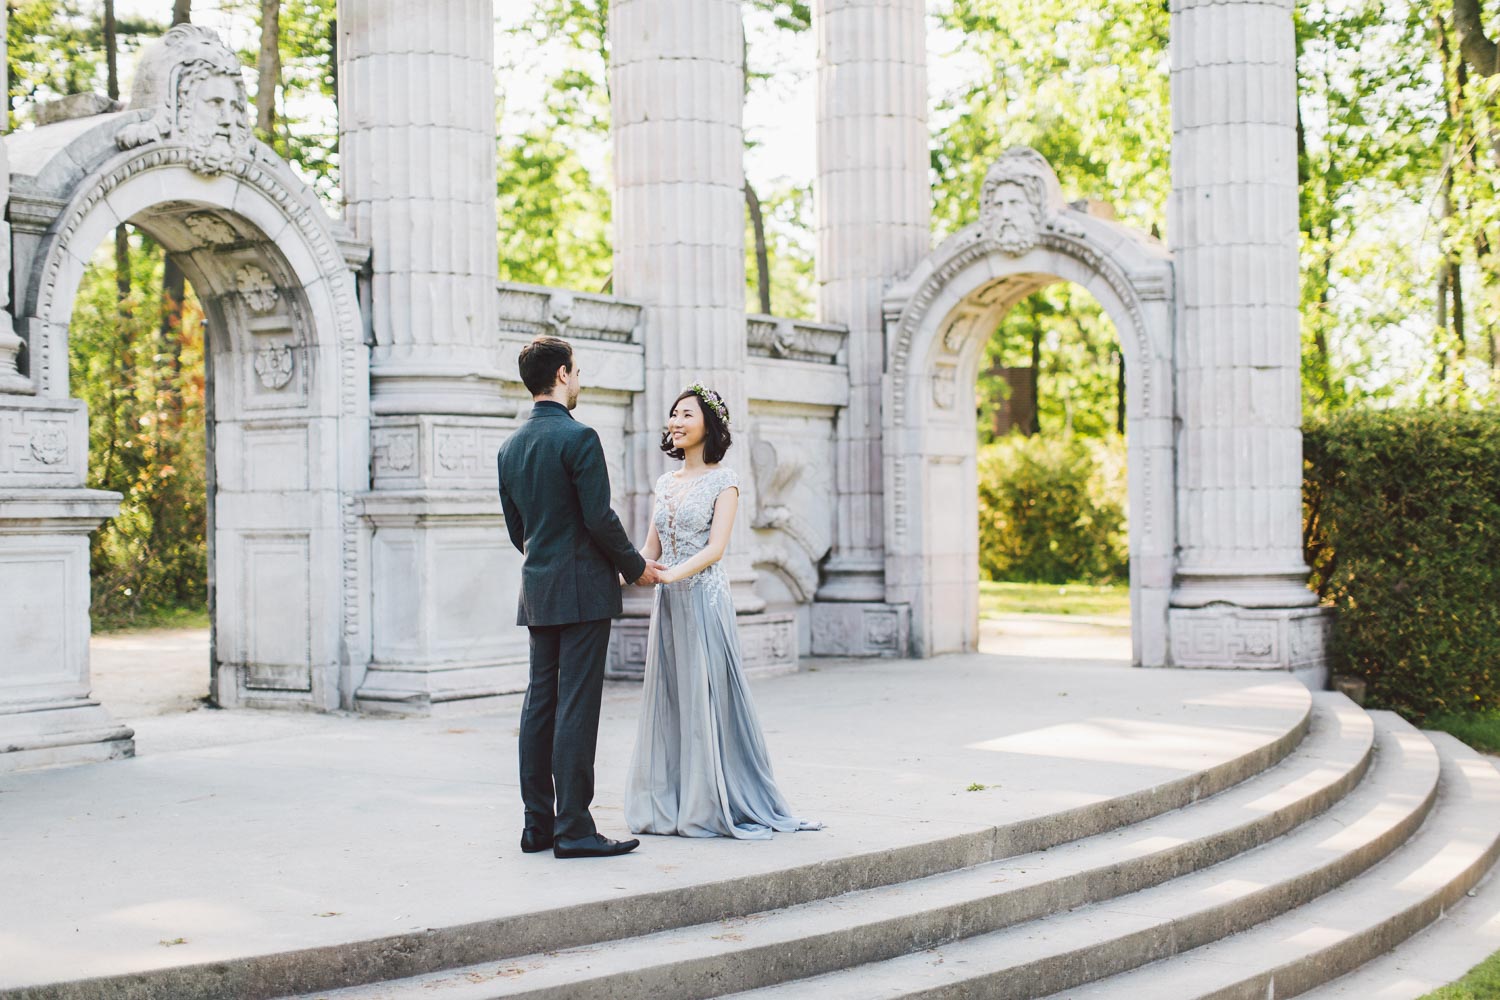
(112, 87)
(333, 65)
(269, 66)
(1036, 375)
(762, 259)
(182, 11)
(1477, 48)
(111, 52)
(173, 291)
(1120, 392)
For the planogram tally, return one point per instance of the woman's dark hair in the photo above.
(540, 361)
(716, 439)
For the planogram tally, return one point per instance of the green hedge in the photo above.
(1402, 527)
(1052, 511)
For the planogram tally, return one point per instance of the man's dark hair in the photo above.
(540, 361)
(716, 439)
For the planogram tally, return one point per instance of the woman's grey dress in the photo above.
(700, 767)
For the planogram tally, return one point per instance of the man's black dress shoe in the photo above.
(533, 840)
(594, 846)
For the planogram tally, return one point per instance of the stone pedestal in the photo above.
(874, 213)
(860, 629)
(46, 714)
(768, 642)
(443, 611)
(1240, 593)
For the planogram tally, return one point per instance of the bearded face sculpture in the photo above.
(192, 83)
(212, 119)
(1020, 199)
(1013, 218)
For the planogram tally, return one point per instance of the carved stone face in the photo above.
(1013, 218)
(213, 122)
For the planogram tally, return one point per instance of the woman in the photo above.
(700, 767)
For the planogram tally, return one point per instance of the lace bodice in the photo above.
(683, 515)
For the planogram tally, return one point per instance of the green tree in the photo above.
(146, 437)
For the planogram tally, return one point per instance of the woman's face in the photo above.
(686, 423)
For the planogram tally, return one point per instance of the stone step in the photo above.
(1355, 924)
(1439, 954)
(1168, 756)
(875, 924)
(1102, 939)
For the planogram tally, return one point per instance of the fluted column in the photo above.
(417, 139)
(677, 89)
(873, 203)
(1234, 227)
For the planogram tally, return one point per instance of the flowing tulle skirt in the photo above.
(700, 767)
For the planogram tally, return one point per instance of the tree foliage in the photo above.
(143, 382)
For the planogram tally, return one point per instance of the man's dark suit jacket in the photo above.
(554, 488)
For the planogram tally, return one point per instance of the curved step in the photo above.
(1275, 714)
(1061, 951)
(879, 923)
(1355, 923)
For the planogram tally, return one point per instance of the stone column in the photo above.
(1240, 597)
(677, 80)
(417, 138)
(678, 86)
(873, 202)
(417, 127)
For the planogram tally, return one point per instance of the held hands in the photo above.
(656, 572)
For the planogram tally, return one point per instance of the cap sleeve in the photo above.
(728, 479)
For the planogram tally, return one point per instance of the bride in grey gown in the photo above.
(700, 767)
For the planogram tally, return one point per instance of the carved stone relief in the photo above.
(194, 83)
(945, 387)
(274, 363)
(211, 229)
(49, 445)
(256, 288)
(400, 452)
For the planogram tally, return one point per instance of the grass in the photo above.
(1481, 730)
(1088, 599)
(1481, 983)
(153, 618)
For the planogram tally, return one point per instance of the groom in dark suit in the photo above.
(554, 488)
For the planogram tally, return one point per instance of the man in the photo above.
(554, 488)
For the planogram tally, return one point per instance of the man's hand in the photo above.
(653, 573)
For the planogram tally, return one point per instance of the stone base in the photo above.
(1227, 636)
(860, 629)
(80, 733)
(427, 690)
(444, 603)
(768, 641)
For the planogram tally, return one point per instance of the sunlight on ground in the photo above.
(1129, 741)
(1084, 599)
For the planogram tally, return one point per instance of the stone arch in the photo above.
(937, 322)
(288, 410)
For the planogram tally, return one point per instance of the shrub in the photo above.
(1402, 528)
(1052, 511)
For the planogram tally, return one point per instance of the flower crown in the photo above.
(712, 398)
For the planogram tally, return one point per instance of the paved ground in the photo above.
(150, 673)
(158, 672)
(241, 833)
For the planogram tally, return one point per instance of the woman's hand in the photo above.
(670, 575)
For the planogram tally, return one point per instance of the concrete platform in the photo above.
(285, 845)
